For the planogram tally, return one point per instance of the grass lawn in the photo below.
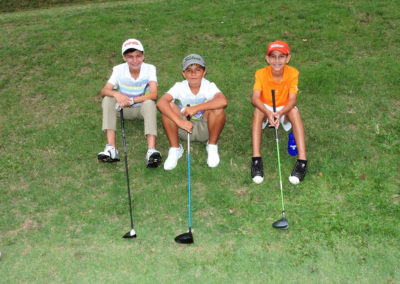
(63, 214)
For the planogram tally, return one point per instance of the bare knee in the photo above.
(294, 116)
(217, 112)
(214, 114)
(258, 115)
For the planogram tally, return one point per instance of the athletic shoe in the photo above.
(174, 154)
(299, 172)
(213, 157)
(153, 158)
(257, 172)
(109, 155)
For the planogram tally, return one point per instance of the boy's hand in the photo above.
(186, 125)
(188, 111)
(122, 100)
(277, 118)
(274, 118)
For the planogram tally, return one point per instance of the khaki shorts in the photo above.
(199, 132)
(147, 111)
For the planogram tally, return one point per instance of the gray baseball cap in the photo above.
(192, 59)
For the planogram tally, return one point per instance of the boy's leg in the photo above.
(110, 153)
(110, 134)
(215, 122)
(148, 111)
(298, 132)
(171, 129)
(257, 171)
(256, 131)
(300, 168)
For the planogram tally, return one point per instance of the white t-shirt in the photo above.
(182, 93)
(123, 81)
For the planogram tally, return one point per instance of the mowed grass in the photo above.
(63, 214)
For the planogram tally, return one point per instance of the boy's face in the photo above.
(277, 60)
(194, 73)
(134, 59)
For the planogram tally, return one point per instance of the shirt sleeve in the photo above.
(257, 82)
(293, 83)
(174, 91)
(152, 74)
(113, 79)
(212, 91)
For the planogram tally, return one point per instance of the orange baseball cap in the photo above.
(278, 45)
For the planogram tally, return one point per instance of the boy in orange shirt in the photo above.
(283, 79)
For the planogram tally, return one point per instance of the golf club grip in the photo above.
(273, 99)
(188, 117)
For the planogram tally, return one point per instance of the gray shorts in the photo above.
(199, 132)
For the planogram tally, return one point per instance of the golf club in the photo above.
(283, 222)
(187, 238)
(131, 234)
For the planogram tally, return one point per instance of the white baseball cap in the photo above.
(132, 43)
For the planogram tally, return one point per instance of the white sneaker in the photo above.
(174, 154)
(213, 157)
(153, 158)
(109, 155)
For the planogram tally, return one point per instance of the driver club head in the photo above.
(282, 224)
(185, 238)
(130, 235)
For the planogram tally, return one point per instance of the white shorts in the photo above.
(285, 124)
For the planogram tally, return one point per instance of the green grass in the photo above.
(20, 5)
(63, 214)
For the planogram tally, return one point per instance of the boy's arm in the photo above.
(256, 101)
(219, 101)
(152, 95)
(164, 105)
(108, 91)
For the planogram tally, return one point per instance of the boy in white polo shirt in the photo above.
(133, 87)
(206, 109)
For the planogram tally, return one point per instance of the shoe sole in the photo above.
(258, 179)
(294, 180)
(106, 159)
(154, 160)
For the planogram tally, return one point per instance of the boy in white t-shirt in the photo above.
(206, 109)
(133, 87)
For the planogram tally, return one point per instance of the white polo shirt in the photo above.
(182, 93)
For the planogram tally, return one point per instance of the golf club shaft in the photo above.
(126, 165)
(190, 217)
(277, 151)
(189, 206)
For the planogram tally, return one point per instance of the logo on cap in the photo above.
(192, 59)
(279, 46)
(131, 42)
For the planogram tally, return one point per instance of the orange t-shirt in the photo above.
(265, 83)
